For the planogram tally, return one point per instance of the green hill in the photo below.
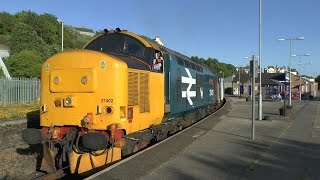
(32, 38)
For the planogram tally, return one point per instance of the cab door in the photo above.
(166, 71)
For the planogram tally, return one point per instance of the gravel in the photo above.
(16, 158)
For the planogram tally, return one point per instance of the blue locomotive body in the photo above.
(188, 85)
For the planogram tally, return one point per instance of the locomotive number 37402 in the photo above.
(106, 100)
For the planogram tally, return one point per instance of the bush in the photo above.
(26, 63)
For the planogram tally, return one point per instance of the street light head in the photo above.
(307, 54)
(281, 39)
(293, 55)
(300, 38)
(246, 57)
(59, 20)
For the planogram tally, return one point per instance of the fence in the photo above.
(19, 90)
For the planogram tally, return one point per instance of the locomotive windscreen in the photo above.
(118, 43)
(124, 47)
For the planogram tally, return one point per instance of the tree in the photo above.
(26, 63)
(318, 79)
(46, 25)
(23, 37)
(7, 22)
(1, 73)
(215, 65)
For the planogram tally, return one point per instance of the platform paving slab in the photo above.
(228, 152)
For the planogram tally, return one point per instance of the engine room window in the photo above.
(180, 61)
(187, 64)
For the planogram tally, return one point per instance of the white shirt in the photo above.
(156, 65)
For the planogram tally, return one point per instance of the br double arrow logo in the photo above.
(188, 93)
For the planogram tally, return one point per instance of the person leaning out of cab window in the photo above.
(158, 63)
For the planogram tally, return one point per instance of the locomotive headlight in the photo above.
(84, 80)
(68, 101)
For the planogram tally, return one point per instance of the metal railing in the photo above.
(19, 90)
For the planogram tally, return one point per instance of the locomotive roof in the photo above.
(155, 45)
(148, 42)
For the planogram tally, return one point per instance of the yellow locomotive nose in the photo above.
(79, 82)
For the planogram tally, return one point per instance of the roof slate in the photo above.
(265, 78)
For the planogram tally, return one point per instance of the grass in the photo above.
(17, 110)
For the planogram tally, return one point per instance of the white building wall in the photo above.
(271, 70)
(86, 33)
(4, 53)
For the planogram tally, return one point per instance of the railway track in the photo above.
(63, 173)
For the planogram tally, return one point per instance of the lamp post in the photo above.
(300, 63)
(290, 54)
(260, 57)
(222, 72)
(239, 69)
(60, 21)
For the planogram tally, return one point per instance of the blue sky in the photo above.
(222, 29)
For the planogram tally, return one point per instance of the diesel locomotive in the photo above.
(107, 101)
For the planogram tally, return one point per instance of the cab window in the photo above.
(158, 63)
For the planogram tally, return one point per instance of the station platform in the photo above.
(220, 147)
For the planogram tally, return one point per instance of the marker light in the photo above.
(43, 108)
(99, 109)
(84, 80)
(56, 80)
